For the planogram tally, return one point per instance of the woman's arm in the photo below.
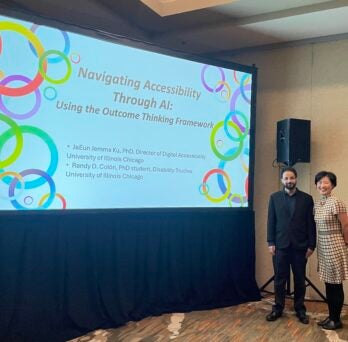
(344, 222)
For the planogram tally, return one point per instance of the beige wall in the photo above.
(305, 82)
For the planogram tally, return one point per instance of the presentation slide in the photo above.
(90, 124)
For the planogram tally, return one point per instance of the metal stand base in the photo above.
(288, 292)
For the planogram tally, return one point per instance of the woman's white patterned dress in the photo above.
(332, 250)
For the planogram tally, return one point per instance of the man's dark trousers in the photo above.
(283, 259)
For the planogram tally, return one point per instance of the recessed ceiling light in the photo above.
(170, 7)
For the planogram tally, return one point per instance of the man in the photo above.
(291, 238)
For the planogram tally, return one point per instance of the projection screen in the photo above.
(87, 123)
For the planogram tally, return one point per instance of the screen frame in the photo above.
(93, 32)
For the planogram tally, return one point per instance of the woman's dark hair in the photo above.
(290, 169)
(328, 174)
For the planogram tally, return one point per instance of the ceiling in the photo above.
(216, 31)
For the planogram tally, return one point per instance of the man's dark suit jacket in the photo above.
(284, 230)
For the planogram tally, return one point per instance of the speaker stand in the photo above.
(288, 291)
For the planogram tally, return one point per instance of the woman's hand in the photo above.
(309, 253)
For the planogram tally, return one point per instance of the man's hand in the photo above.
(271, 249)
(309, 253)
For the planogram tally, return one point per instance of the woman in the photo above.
(330, 215)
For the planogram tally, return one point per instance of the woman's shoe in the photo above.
(324, 321)
(332, 325)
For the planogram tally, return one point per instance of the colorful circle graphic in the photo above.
(228, 156)
(233, 104)
(210, 89)
(43, 72)
(245, 81)
(221, 183)
(227, 190)
(243, 88)
(224, 93)
(28, 200)
(75, 58)
(233, 196)
(246, 125)
(50, 143)
(51, 96)
(66, 45)
(203, 189)
(35, 83)
(44, 197)
(245, 166)
(27, 115)
(16, 175)
(43, 175)
(15, 130)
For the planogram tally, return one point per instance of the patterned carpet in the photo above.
(245, 322)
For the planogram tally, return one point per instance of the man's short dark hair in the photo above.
(328, 174)
(290, 169)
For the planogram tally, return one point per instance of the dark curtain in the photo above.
(64, 274)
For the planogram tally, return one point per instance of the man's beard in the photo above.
(290, 186)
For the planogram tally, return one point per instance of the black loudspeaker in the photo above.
(293, 141)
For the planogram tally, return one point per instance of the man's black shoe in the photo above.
(302, 317)
(332, 325)
(323, 322)
(273, 316)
